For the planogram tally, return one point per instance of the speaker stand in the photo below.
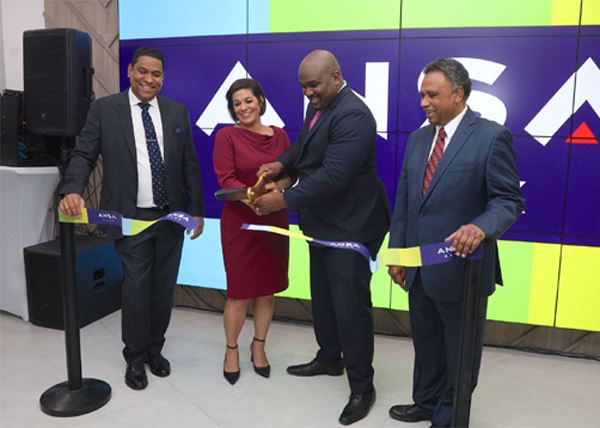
(76, 396)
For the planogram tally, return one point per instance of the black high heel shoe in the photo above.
(261, 371)
(231, 377)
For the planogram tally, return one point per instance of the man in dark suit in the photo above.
(459, 183)
(134, 131)
(339, 197)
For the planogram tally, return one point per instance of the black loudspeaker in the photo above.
(57, 80)
(9, 129)
(17, 147)
(99, 281)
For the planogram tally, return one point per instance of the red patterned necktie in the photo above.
(314, 119)
(434, 159)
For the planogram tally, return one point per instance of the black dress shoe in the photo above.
(261, 371)
(410, 413)
(357, 408)
(315, 368)
(159, 365)
(231, 377)
(135, 376)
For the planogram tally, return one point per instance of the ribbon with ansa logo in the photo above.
(408, 257)
(128, 226)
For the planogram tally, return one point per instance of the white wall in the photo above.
(2, 72)
(16, 16)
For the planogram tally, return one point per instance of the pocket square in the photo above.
(177, 131)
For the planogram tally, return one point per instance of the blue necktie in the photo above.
(157, 166)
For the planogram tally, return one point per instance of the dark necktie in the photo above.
(434, 159)
(159, 193)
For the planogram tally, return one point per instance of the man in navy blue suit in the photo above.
(339, 197)
(459, 183)
(118, 129)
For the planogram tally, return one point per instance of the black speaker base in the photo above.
(60, 401)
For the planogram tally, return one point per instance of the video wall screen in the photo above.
(535, 66)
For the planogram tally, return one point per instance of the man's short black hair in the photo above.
(148, 51)
(454, 71)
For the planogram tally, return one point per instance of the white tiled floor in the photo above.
(516, 389)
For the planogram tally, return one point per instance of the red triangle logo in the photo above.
(582, 135)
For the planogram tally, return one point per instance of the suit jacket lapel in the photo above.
(460, 137)
(124, 115)
(423, 156)
(309, 133)
(166, 119)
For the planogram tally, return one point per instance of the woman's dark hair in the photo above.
(256, 89)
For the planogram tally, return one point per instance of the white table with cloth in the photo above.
(26, 218)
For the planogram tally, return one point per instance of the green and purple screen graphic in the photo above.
(535, 67)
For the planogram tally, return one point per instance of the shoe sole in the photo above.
(317, 374)
(410, 420)
(136, 387)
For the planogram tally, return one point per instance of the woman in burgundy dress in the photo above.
(256, 263)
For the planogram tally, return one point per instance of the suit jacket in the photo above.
(476, 181)
(340, 196)
(108, 131)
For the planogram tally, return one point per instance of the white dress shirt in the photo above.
(450, 129)
(145, 196)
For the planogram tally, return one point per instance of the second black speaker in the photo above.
(57, 80)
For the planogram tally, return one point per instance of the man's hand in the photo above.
(397, 273)
(279, 185)
(466, 239)
(198, 229)
(269, 203)
(72, 204)
(252, 207)
(270, 170)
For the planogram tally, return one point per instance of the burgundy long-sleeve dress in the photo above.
(256, 262)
